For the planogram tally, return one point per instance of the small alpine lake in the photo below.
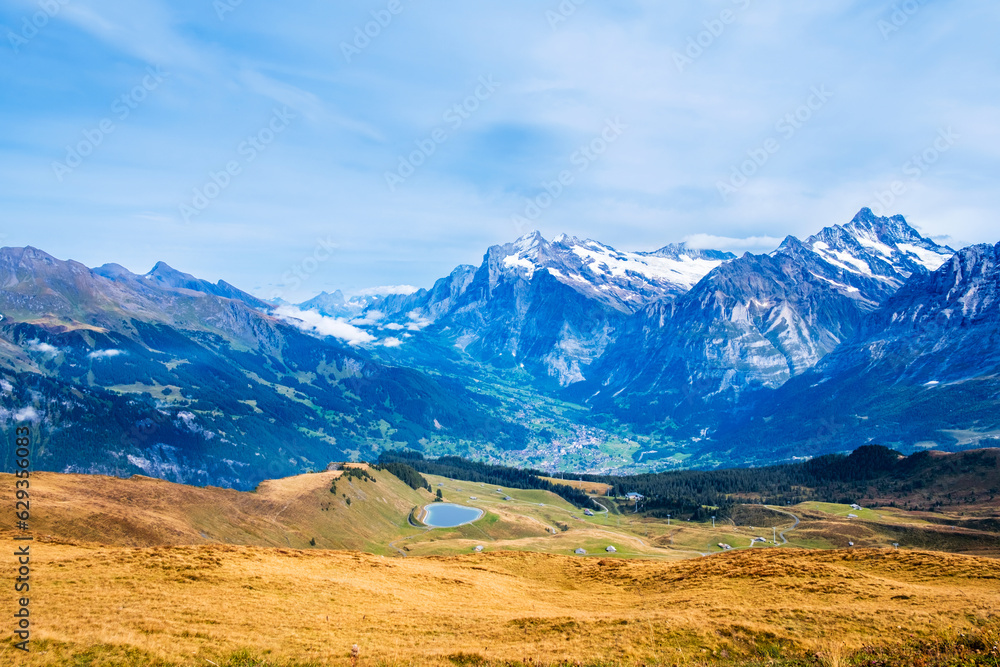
(448, 515)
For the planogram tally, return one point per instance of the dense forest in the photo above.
(699, 494)
(455, 467)
(871, 471)
(406, 473)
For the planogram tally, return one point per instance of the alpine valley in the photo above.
(563, 355)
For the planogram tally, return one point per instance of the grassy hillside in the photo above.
(142, 572)
(300, 512)
(197, 605)
(593, 488)
(290, 512)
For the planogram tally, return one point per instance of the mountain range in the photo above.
(170, 376)
(863, 332)
(759, 320)
(552, 306)
(921, 370)
(683, 344)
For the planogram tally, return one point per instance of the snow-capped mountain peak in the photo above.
(887, 249)
(681, 251)
(524, 256)
(625, 280)
(530, 242)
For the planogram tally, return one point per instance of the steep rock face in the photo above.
(426, 306)
(885, 249)
(553, 307)
(923, 368)
(757, 321)
(542, 324)
(938, 327)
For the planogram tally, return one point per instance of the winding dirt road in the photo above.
(781, 533)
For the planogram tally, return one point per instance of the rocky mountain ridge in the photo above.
(167, 375)
(921, 370)
(756, 358)
(759, 320)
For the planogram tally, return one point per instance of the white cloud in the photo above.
(370, 318)
(313, 322)
(392, 342)
(710, 242)
(417, 320)
(143, 29)
(28, 414)
(283, 93)
(687, 130)
(7, 387)
(105, 354)
(386, 290)
(43, 348)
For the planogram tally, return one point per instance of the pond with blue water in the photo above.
(447, 515)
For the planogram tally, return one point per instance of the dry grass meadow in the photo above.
(593, 488)
(193, 605)
(143, 572)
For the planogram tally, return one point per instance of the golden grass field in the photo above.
(593, 488)
(290, 512)
(187, 605)
(144, 572)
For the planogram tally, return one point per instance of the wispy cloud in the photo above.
(710, 242)
(365, 118)
(386, 290)
(371, 318)
(105, 354)
(28, 414)
(283, 93)
(144, 29)
(42, 348)
(313, 322)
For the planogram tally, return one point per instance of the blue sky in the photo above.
(730, 123)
